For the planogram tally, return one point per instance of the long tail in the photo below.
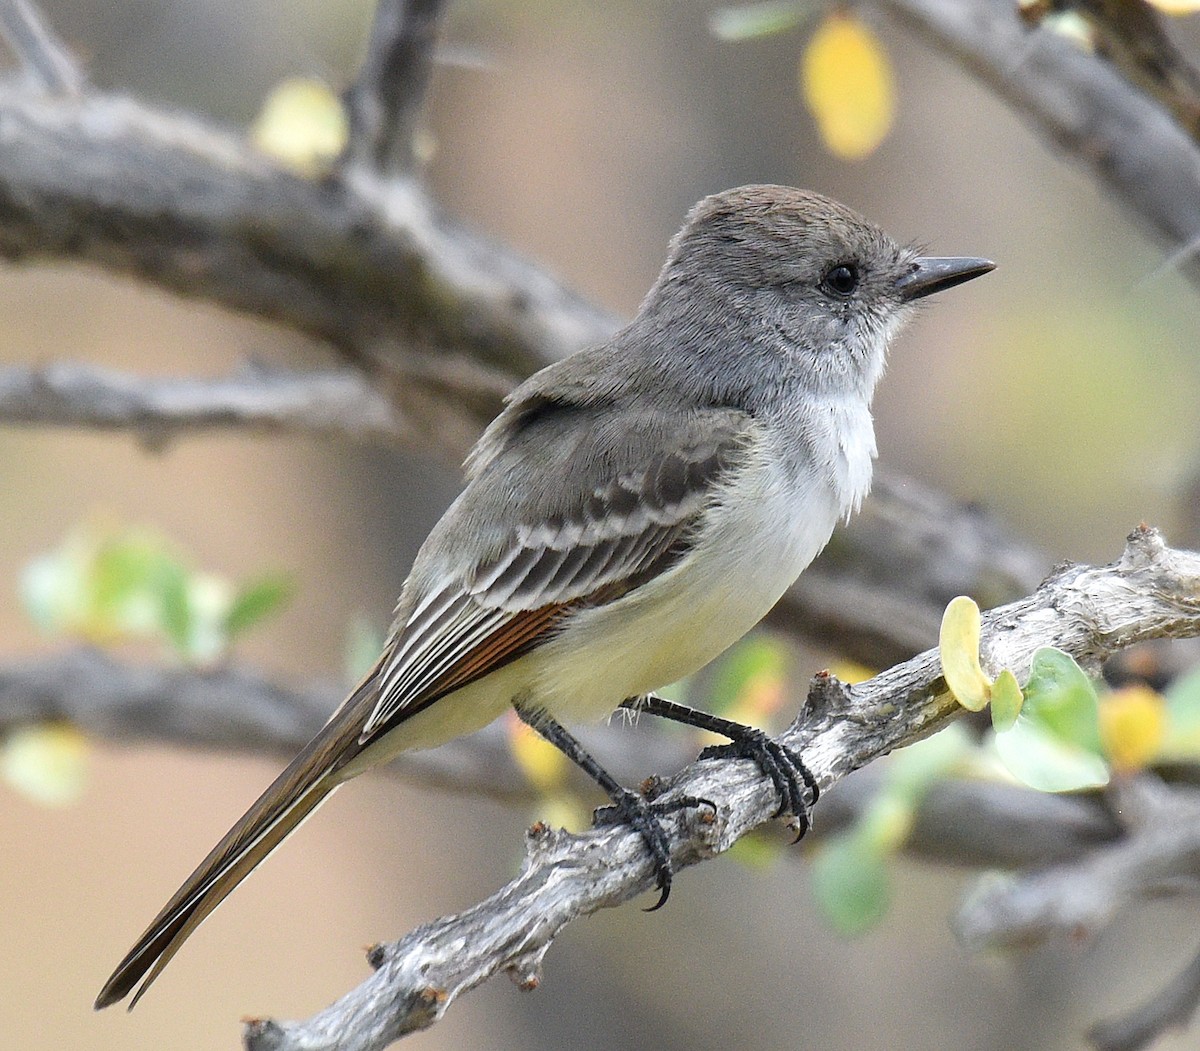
(279, 811)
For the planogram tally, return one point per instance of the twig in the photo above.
(1081, 104)
(1152, 591)
(342, 402)
(1173, 1006)
(385, 99)
(230, 709)
(47, 61)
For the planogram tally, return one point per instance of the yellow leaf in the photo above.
(850, 672)
(1133, 722)
(958, 645)
(48, 763)
(543, 764)
(563, 811)
(1177, 7)
(303, 124)
(846, 81)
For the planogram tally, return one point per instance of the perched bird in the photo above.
(632, 512)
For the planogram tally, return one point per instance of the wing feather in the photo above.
(620, 532)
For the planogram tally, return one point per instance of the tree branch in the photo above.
(385, 99)
(190, 207)
(1160, 853)
(1161, 850)
(342, 402)
(1152, 591)
(1173, 1006)
(48, 64)
(876, 594)
(232, 709)
(1080, 104)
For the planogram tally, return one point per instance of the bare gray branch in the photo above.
(1173, 1006)
(1160, 851)
(343, 402)
(1152, 591)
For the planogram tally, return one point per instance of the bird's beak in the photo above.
(933, 275)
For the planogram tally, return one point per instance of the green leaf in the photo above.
(758, 20)
(850, 882)
(911, 771)
(1183, 716)
(1046, 761)
(756, 851)
(1061, 698)
(256, 601)
(107, 585)
(1007, 700)
(175, 619)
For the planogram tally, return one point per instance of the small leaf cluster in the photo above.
(108, 586)
(105, 585)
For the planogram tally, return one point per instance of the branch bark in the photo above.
(1151, 592)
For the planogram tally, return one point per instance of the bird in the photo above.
(632, 512)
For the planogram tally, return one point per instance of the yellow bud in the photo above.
(1133, 721)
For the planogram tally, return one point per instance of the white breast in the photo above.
(761, 532)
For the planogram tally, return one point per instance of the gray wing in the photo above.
(563, 515)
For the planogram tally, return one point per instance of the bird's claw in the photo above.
(798, 789)
(642, 815)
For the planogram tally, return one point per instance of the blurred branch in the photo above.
(1160, 851)
(185, 205)
(385, 99)
(233, 709)
(1152, 591)
(1173, 1007)
(341, 402)
(48, 64)
(878, 591)
(1081, 104)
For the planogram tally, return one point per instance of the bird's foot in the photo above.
(642, 815)
(797, 788)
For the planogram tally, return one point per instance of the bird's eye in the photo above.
(841, 280)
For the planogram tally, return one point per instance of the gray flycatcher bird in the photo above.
(634, 510)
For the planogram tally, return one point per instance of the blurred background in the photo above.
(1060, 392)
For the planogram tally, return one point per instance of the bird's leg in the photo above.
(797, 788)
(628, 807)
